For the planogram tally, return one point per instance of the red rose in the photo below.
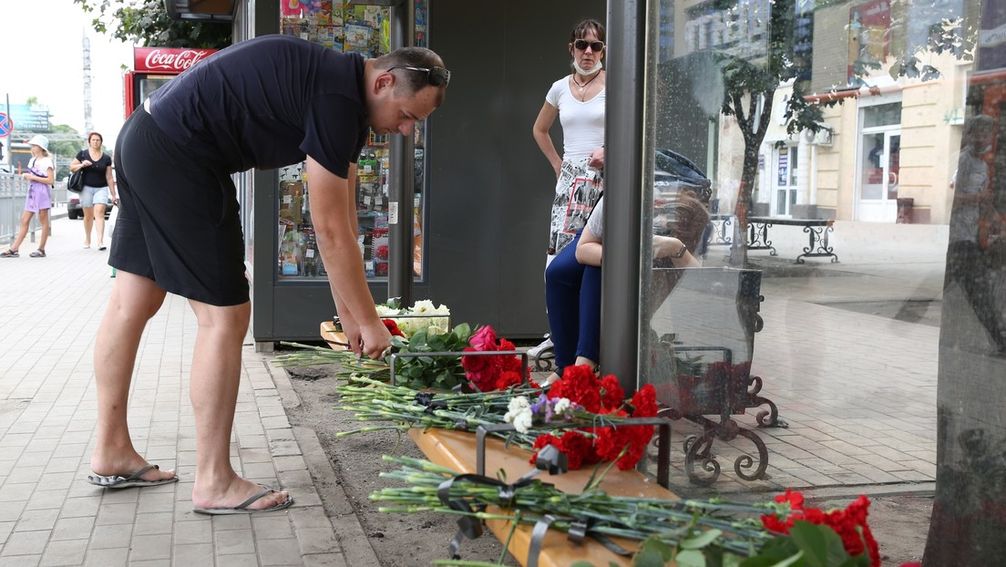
(484, 339)
(392, 327)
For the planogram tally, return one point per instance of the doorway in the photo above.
(879, 163)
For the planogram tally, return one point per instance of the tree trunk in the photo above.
(745, 200)
(968, 524)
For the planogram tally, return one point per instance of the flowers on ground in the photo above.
(626, 444)
(487, 373)
(421, 316)
(850, 523)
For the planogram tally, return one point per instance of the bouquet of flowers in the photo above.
(688, 532)
(486, 373)
(422, 315)
(413, 369)
(597, 414)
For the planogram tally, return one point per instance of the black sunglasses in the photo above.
(436, 76)
(582, 44)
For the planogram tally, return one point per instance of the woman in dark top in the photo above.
(99, 187)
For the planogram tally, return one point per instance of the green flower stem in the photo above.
(672, 521)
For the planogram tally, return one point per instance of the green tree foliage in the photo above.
(146, 23)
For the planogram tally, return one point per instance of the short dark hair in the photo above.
(588, 25)
(410, 57)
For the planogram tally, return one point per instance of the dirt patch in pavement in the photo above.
(899, 522)
(398, 539)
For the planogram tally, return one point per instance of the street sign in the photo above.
(6, 125)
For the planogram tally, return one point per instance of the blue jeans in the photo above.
(573, 299)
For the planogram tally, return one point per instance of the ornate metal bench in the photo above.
(817, 234)
(702, 323)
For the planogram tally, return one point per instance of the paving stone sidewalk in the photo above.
(49, 515)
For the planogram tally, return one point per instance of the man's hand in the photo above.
(352, 331)
(376, 339)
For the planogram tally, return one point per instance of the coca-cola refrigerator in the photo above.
(153, 67)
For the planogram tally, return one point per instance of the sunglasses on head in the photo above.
(436, 76)
(582, 45)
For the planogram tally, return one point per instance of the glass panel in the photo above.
(893, 165)
(882, 115)
(361, 29)
(873, 166)
(902, 348)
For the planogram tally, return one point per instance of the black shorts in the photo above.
(179, 222)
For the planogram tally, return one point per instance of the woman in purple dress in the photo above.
(40, 173)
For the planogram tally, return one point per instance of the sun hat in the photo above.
(40, 141)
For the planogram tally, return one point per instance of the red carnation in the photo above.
(613, 395)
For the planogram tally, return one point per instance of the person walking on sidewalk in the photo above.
(41, 174)
(99, 187)
(266, 102)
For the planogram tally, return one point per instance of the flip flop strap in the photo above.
(136, 475)
(265, 492)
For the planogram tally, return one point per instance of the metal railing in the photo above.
(13, 191)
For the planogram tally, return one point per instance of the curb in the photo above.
(349, 532)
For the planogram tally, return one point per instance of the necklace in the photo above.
(583, 86)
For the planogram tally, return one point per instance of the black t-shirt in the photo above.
(267, 102)
(94, 175)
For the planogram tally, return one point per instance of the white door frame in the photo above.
(887, 207)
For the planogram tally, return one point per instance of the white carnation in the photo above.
(436, 330)
(523, 421)
(562, 405)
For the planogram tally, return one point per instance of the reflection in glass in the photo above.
(867, 129)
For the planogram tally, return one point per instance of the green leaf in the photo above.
(653, 553)
(582, 564)
(463, 331)
(701, 540)
(820, 544)
(690, 558)
(777, 552)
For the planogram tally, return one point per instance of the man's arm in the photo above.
(330, 197)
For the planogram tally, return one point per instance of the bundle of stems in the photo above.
(372, 400)
(732, 527)
(404, 408)
(308, 355)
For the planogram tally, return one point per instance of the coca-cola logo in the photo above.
(171, 60)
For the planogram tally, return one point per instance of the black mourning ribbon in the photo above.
(469, 526)
(549, 459)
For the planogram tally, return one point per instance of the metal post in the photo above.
(624, 127)
(401, 186)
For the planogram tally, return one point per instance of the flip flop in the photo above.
(242, 508)
(117, 481)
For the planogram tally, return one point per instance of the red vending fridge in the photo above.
(155, 66)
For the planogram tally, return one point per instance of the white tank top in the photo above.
(582, 122)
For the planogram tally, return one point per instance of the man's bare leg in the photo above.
(216, 371)
(134, 300)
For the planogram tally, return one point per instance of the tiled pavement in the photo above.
(49, 515)
(857, 390)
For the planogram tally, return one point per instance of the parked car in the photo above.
(75, 211)
(673, 171)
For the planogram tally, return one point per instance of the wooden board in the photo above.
(456, 450)
(333, 337)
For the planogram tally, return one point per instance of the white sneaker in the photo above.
(535, 351)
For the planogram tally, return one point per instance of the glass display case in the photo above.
(366, 30)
